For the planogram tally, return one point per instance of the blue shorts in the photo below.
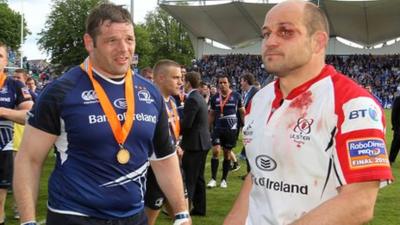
(225, 137)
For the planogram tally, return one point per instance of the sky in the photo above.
(36, 12)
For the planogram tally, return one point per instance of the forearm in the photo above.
(26, 186)
(350, 208)
(169, 179)
(17, 116)
(239, 211)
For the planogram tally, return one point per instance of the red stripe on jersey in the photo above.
(345, 90)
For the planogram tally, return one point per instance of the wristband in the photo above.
(181, 217)
(32, 222)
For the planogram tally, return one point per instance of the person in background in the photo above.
(395, 146)
(195, 143)
(223, 117)
(15, 101)
(147, 73)
(168, 79)
(31, 85)
(247, 82)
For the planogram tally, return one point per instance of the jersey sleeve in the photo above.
(360, 141)
(162, 140)
(45, 114)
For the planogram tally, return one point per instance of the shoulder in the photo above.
(267, 92)
(66, 82)
(345, 89)
(14, 84)
(145, 90)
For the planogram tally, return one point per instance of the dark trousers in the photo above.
(395, 147)
(193, 164)
(64, 219)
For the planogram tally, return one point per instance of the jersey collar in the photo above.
(328, 70)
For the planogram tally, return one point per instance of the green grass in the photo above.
(219, 201)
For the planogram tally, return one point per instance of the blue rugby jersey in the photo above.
(87, 179)
(229, 119)
(12, 94)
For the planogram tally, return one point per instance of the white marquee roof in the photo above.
(237, 23)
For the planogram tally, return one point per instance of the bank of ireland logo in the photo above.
(144, 96)
(265, 163)
(301, 131)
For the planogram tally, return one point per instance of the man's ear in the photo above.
(319, 41)
(89, 42)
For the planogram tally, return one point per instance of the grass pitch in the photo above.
(219, 201)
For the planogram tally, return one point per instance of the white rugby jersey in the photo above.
(326, 133)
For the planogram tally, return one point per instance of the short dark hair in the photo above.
(29, 79)
(193, 78)
(105, 12)
(146, 69)
(23, 71)
(249, 78)
(221, 76)
(162, 64)
(315, 19)
(202, 83)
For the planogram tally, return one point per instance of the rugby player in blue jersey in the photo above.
(226, 106)
(15, 101)
(108, 126)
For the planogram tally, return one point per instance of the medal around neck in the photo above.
(123, 156)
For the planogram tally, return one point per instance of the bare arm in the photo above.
(34, 148)
(16, 115)
(241, 113)
(169, 178)
(353, 206)
(239, 211)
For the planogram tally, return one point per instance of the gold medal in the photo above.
(123, 156)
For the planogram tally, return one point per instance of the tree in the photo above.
(169, 39)
(10, 23)
(62, 36)
(144, 47)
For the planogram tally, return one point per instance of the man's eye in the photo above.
(286, 33)
(266, 35)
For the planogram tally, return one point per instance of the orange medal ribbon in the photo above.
(3, 78)
(120, 132)
(174, 116)
(222, 102)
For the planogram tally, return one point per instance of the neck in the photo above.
(225, 93)
(299, 76)
(246, 88)
(189, 90)
(105, 73)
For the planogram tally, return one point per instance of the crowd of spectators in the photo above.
(381, 72)
(233, 65)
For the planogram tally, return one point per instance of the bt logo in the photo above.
(372, 113)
